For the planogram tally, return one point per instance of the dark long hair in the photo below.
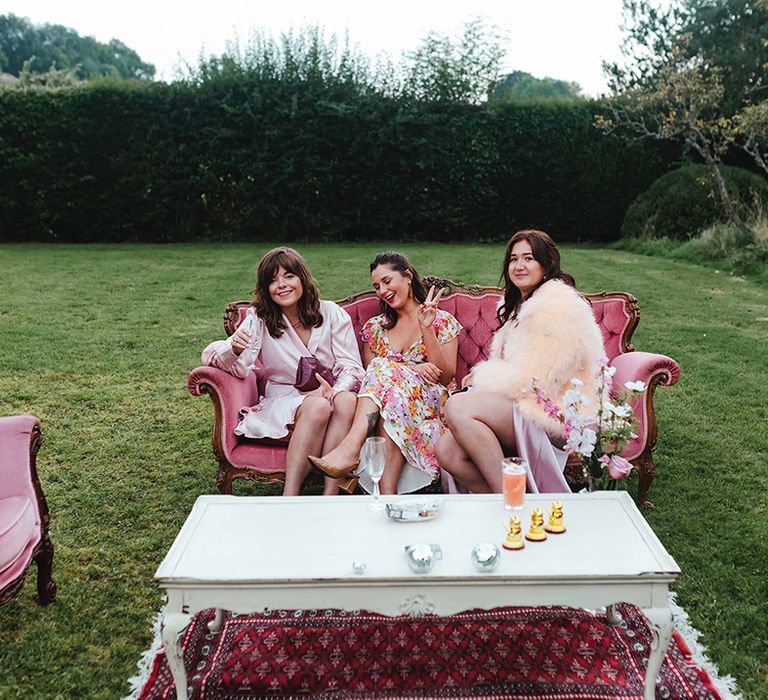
(272, 314)
(545, 252)
(399, 263)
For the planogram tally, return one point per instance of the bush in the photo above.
(734, 248)
(683, 202)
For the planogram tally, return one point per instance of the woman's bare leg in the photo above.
(344, 405)
(481, 424)
(394, 464)
(453, 459)
(363, 426)
(308, 433)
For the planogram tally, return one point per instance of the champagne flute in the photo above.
(375, 454)
(255, 339)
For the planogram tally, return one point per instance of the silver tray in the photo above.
(414, 511)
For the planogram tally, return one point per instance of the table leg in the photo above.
(661, 626)
(214, 625)
(613, 615)
(173, 628)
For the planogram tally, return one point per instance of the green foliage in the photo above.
(742, 250)
(687, 72)
(52, 46)
(97, 341)
(54, 78)
(446, 70)
(725, 38)
(303, 150)
(732, 35)
(523, 87)
(683, 202)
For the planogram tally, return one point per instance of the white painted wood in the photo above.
(247, 554)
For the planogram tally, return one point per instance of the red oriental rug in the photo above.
(553, 653)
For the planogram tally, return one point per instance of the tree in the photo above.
(53, 46)
(752, 125)
(685, 79)
(523, 87)
(442, 69)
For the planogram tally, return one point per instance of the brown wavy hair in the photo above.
(399, 263)
(309, 303)
(545, 252)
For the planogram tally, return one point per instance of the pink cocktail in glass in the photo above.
(513, 476)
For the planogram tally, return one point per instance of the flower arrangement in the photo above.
(598, 440)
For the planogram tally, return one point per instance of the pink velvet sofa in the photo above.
(23, 511)
(617, 314)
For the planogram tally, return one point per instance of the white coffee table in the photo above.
(247, 554)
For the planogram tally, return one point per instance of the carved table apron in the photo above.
(246, 554)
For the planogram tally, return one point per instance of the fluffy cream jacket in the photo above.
(553, 339)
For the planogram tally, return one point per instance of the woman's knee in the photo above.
(344, 404)
(457, 409)
(315, 410)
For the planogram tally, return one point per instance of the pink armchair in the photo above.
(475, 308)
(23, 511)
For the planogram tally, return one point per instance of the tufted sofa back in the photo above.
(474, 308)
(476, 314)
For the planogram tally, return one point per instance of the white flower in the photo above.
(577, 382)
(623, 410)
(635, 386)
(610, 371)
(572, 397)
(587, 443)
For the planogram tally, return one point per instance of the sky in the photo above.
(560, 39)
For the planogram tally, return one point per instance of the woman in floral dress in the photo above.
(410, 354)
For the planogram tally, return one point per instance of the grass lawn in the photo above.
(97, 341)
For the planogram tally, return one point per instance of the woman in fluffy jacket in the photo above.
(548, 334)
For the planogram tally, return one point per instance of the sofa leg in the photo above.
(224, 479)
(46, 587)
(647, 471)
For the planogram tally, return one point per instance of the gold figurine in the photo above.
(555, 522)
(514, 538)
(536, 533)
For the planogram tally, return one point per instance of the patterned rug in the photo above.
(553, 653)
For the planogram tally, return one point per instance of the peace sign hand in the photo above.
(428, 310)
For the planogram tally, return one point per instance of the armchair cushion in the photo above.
(24, 537)
(18, 528)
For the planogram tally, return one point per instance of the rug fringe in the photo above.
(144, 666)
(724, 685)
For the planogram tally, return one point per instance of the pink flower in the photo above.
(618, 467)
(551, 409)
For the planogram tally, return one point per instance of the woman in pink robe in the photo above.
(286, 322)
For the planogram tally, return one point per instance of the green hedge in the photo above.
(682, 203)
(254, 159)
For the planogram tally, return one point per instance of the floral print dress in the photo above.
(410, 407)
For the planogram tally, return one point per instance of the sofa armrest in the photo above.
(229, 394)
(20, 440)
(655, 370)
(646, 366)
